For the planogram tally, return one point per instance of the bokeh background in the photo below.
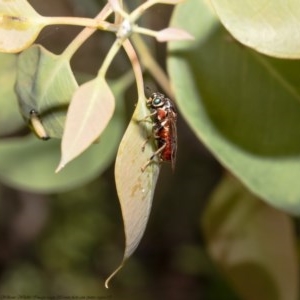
(65, 244)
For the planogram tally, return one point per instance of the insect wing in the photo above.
(173, 136)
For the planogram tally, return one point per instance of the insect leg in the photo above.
(155, 129)
(146, 142)
(148, 117)
(156, 153)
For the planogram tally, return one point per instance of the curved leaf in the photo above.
(135, 188)
(270, 27)
(29, 164)
(20, 25)
(45, 83)
(90, 111)
(244, 106)
(10, 118)
(252, 243)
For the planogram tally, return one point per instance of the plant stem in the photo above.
(109, 57)
(86, 22)
(145, 31)
(146, 5)
(85, 34)
(151, 65)
(135, 66)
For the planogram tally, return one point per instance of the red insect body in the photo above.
(164, 116)
(164, 140)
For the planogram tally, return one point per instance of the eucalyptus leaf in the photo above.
(90, 111)
(10, 118)
(28, 163)
(20, 25)
(270, 27)
(135, 187)
(252, 243)
(45, 83)
(243, 105)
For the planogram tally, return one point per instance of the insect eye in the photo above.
(157, 101)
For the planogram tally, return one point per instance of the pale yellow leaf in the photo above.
(20, 24)
(135, 188)
(90, 111)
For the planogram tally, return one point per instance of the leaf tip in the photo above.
(60, 167)
(173, 34)
(107, 281)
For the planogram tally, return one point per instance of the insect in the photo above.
(37, 125)
(164, 131)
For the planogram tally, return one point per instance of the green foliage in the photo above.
(10, 118)
(243, 105)
(252, 242)
(45, 83)
(270, 27)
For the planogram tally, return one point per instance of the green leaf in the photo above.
(252, 243)
(135, 188)
(29, 164)
(45, 84)
(91, 109)
(244, 106)
(10, 118)
(270, 27)
(20, 25)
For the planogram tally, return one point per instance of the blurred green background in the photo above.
(66, 243)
